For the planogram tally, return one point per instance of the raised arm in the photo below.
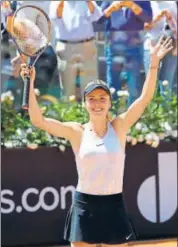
(142, 9)
(67, 130)
(95, 11)
(131, 116)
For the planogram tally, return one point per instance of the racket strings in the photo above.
(31, 31)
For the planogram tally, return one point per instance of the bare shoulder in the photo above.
(118, 126)
(67, 130)
(77, 137)
(77, 127)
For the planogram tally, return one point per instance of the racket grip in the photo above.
(26, 92)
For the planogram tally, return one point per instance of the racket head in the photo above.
(31, 30)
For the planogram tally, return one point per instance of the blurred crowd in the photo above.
(108, 40)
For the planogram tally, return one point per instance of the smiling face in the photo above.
(98, 103)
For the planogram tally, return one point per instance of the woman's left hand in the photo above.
(158, 51)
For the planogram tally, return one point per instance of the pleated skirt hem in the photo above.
(98, 219)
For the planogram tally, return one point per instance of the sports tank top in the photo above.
(100, 163)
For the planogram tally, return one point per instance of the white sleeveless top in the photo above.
(100, 163)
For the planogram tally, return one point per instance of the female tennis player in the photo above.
(97, 214)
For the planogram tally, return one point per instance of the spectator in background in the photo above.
(47, 63)
(75, 44)
(99, 2)
(169, 63)
(4, 33)
(123, 27)
(6, 8)
(9, 77)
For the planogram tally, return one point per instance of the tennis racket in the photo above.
(30, 29)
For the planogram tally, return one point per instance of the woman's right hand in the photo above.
(27, 71)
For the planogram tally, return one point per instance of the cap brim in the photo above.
(93, 87)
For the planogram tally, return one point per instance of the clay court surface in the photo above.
(151, 243)
(156, 243)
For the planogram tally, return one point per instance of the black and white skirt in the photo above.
(98, 219)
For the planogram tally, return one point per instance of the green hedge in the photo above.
(159, 121)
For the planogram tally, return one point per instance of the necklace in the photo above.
(99, 139)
